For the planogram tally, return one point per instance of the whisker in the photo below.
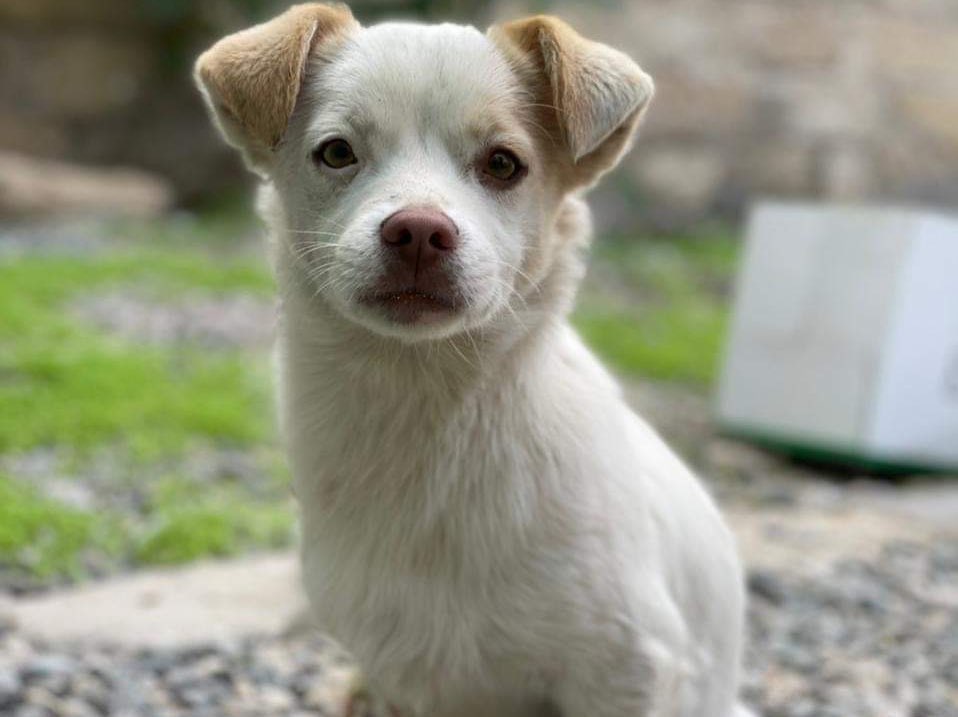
(520, 272)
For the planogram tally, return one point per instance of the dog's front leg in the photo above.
(647, 682)
(615, 696)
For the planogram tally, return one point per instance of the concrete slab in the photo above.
(203, 603)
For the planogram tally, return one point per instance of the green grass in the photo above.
(44, 538)
(67, 384)
(184, 522)
(212, 528)
(658, 307)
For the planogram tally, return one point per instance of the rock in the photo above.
(767, 586)
(39, 696)
(33, 711)
(93, 691)
(272, 699)
(31, 186)
(45, 667)
(10, 686)
(332, 692)
(77, 708)
(211, 668)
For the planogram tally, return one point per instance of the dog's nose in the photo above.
(420, 236)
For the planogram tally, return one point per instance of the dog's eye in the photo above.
(503, 166)
(335, 153)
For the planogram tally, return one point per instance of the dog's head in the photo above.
(420, 168)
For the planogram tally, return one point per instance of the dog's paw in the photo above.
(365, 705)
(361, 702)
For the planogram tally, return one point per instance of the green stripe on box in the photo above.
(809, 450)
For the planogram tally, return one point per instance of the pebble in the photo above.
(10, 686)
(47, 667)
(765, 585)
(860, 640)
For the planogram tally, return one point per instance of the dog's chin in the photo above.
(413, 307)
(410, 314)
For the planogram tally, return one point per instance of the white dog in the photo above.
(487, 527)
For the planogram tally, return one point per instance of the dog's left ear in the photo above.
(251, 79)
(595, 95)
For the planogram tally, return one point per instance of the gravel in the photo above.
(234, 321)
(83, 236)
(871, 638)
(266, 676)
(868, 638)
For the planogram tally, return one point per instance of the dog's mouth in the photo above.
(412, 306)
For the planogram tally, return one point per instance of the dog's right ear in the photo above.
(250, 80)
(592, 96)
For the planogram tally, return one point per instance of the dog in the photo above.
(486, 525)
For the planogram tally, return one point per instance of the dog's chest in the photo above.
(414, 632)
(428, 620)
(440, 577)
(438, 544)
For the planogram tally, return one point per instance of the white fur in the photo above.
(487, 526)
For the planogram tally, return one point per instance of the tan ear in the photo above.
(250, 80)
(598, 94)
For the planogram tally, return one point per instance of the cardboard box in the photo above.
(844, 337)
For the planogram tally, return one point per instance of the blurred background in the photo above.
(136, 314)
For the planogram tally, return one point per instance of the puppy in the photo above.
(486, 525)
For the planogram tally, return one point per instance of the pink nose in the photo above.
(420, 236)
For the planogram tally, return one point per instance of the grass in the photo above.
(211, 528)
(658, 307)
(67, 385)
(64, 383)
(51, 541)
(43, 537)
(651, 307)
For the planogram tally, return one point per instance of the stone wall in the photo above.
(840, 99)
(833, 99)
(106, 82)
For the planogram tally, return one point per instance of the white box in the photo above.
(844, 336)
